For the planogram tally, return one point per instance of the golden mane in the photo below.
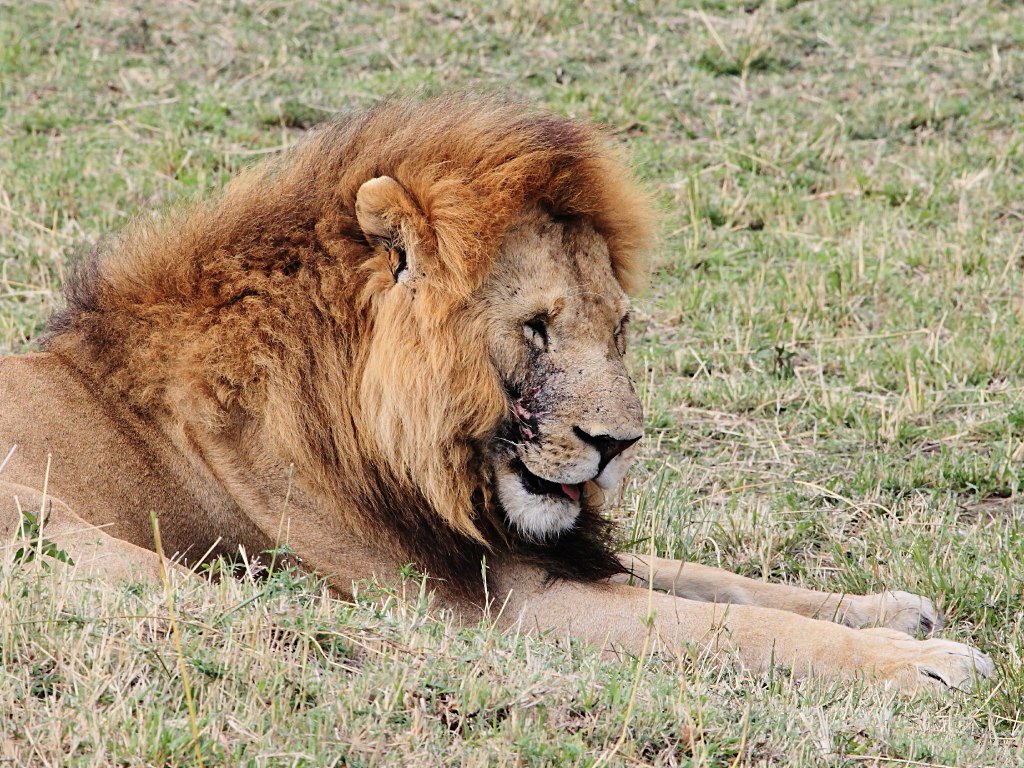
(256, 315)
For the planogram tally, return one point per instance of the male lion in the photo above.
(401, 343)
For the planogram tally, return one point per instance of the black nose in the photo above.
(609, 447)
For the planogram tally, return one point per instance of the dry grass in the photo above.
(831, 355)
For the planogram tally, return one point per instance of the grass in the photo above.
(831, 354)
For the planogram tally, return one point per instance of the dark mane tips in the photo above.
(81, 291)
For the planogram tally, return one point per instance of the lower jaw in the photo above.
(546, 525)
(540, 518)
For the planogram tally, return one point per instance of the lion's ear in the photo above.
(386, 213)
(380, 203)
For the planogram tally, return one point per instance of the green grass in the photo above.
(831, 354)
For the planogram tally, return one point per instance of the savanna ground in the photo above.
(831, 354)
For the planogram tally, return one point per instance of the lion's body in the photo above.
(112, 468)
(401, 343)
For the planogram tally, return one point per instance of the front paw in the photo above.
(901, 611)
(935, 665)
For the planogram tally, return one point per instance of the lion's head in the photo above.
(421, 309)
(548, 323)
(497, 358)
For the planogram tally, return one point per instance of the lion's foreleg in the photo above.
(622, 618)
(89, 550)
(897, 610)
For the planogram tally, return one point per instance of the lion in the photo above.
(401, 343)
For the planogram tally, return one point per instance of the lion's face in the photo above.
(528, 364)
(557, 325)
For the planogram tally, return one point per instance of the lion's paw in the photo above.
(934, 664)
(901, 611)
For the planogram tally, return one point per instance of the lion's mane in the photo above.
(264, 318)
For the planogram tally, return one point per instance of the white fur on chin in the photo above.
(537, 517)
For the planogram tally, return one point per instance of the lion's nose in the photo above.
(607, 446)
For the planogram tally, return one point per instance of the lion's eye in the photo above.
(536, 332)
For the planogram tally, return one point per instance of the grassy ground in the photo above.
(831, 354)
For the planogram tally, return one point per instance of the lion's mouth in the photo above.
(541, 487)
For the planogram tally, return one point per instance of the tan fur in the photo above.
(400, 343)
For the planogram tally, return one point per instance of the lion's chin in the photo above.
(537, 512)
